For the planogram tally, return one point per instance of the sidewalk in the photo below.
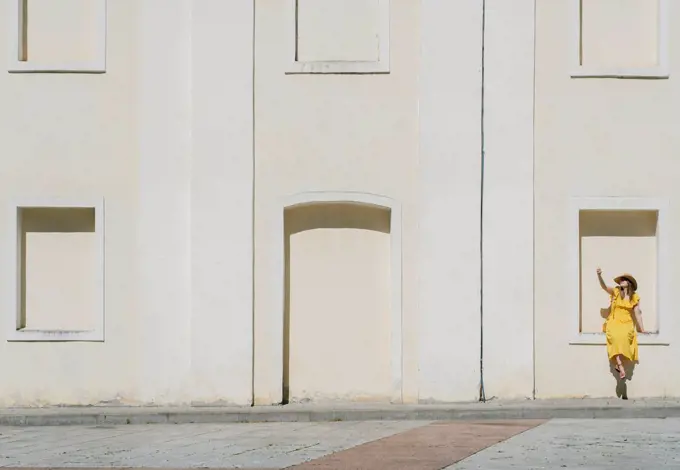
(586, 408)
(361, 445)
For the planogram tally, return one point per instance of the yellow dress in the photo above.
(620, 327)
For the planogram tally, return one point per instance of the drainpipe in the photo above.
(482, 393)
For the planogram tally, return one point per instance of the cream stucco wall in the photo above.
(338, 31)
(435, 189)
(66, 34)
(448, 289)
(602, 138)
(363, 138)
(221, 202)
(619, 33)
(508, 215)
(161, 155)
(73, 137)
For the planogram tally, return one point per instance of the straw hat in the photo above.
(629, 277)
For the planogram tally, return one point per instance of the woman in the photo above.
(624, 316)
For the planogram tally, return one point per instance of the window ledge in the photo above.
(77, 67)
(660, 72)
(339, 67)
(27, 335)
(599, 339)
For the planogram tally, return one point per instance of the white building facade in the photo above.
(238, 202)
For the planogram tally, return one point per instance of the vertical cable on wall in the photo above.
(533, 220)
(252, 208)
(482, 393)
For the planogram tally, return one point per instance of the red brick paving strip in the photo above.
(430, 447)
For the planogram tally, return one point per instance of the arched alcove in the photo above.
(340, 293)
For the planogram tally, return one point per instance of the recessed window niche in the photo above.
(620, 38)
(337, 318)
(336, 329)
(59, 273)
(618, 241)
(338, 36)
(618, 234)
(58, 36)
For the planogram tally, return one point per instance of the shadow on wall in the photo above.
(621, 385)
(336, 219)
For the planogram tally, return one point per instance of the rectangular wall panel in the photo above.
(338, 36)
(57, 36)
(620, 38)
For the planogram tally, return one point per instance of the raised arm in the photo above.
(604, 286)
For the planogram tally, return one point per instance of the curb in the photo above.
(100, 416)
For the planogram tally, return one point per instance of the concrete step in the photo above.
(586, 408)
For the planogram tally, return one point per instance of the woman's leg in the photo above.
(619, 367)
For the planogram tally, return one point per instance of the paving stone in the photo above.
(265, 445)
(588, 444)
